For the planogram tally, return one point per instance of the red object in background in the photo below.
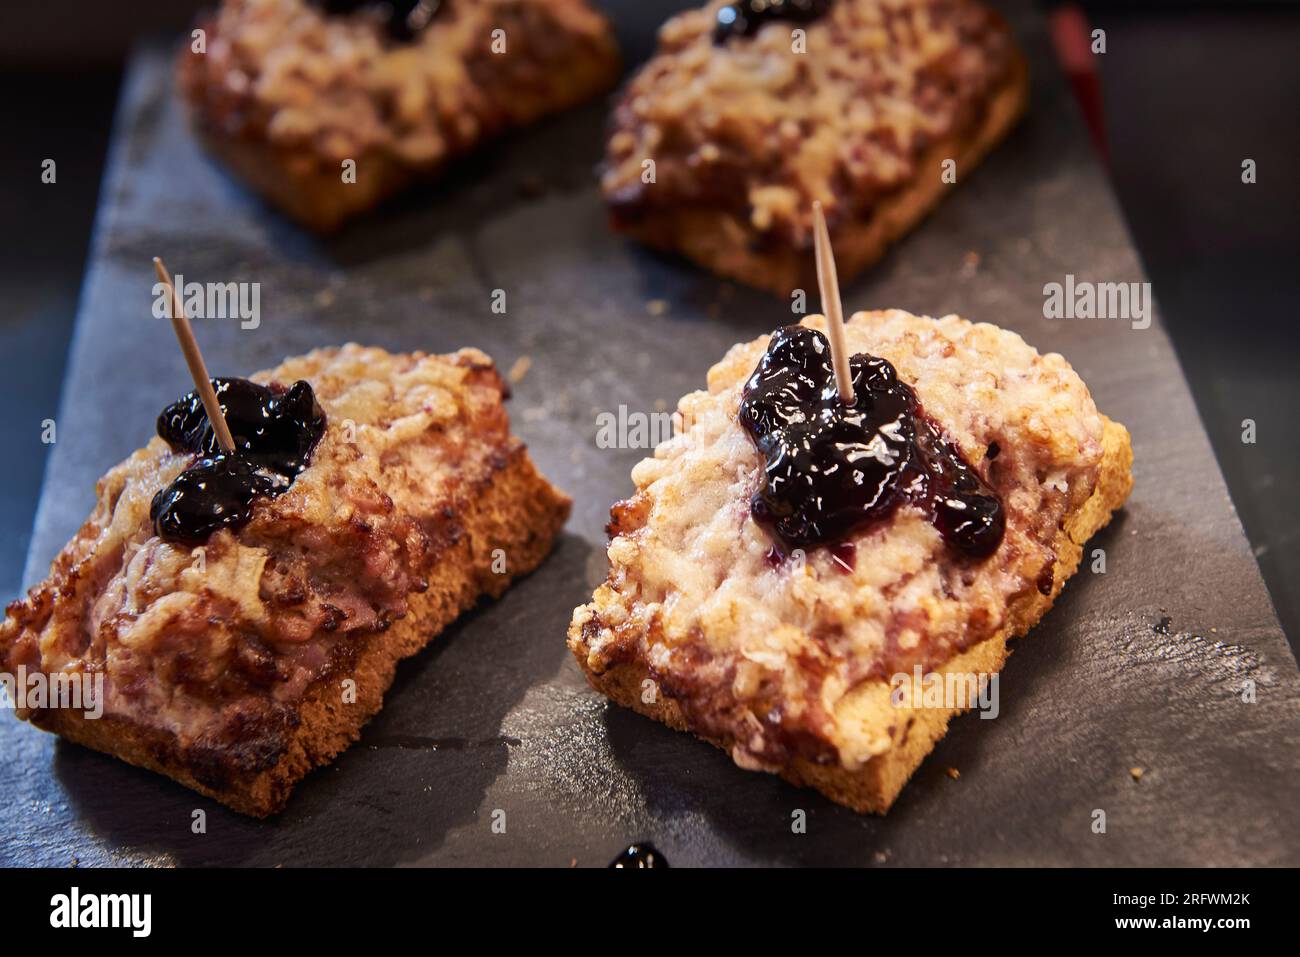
(1072, 38)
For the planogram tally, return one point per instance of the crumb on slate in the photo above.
(519, 369)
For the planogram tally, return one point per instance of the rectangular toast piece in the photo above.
(789, 666)
(877, 111)
(286, 93)
(238, 667)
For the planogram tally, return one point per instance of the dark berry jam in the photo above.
(404, 19)
(639, 857)
(743, 19)
(831, 469)
(275, 431)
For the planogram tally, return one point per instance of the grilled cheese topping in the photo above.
(219, 643)
(763, 652)
(339, 87)
(764, 125)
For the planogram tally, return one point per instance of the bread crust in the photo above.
(298, 187)
(728, 244)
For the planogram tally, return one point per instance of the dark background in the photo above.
(1184, 92)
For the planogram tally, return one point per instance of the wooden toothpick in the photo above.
(194, 359)
(829, 285)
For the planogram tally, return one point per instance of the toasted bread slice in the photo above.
(792, 667)
(238, 667)
(878, 112)
(288, 95)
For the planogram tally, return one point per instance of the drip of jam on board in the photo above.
(404, 19)
(275, 431)
(831, 469)
(638, 857)
(744, 18)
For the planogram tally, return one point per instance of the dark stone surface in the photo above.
(40, 276)
(502, 714)
(1221, 254)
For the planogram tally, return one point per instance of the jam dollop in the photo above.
(275, 431)
(639, 857)
(744, 18)
(404, 19)
(831, 469)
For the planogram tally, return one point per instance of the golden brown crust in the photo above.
(749, 219)
(308, 195)
(789, 668)
(285, 93)
(224, 667)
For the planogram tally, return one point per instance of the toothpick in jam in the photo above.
(194, 359)
(829, 286)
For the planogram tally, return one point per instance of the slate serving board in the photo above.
(1142, 666)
